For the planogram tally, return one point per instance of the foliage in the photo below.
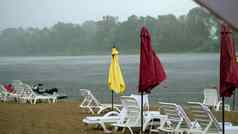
(195, 32)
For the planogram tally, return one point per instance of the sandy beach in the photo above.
(64, 117)
(59, 118)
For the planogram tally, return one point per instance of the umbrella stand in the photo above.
(223, 119)
(112, 100)
(141, 128)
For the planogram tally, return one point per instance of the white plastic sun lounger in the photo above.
(8, 95)
(151, 118)
(108, 118)
(211, 99)
(34, 97)
(93, 105)
(177, 120)
(133, 114)
(207, 121)
(124, 120)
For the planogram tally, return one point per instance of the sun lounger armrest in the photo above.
(111, 113)
(218, 105)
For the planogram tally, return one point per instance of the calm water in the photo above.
(187, 74)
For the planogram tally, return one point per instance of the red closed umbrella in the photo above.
(228, 66)
(151, 70)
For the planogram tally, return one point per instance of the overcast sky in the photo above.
(40, 13)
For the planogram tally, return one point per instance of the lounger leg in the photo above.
(55, 100)
(130, 130)
(105, 129)
(115, 129)
(123, 130)
(35, 100)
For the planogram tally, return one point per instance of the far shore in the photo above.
(108, 54)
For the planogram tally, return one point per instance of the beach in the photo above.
(63, 117)
(43, 118)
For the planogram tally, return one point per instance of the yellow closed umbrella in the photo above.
(115, 79)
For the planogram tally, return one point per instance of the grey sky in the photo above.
(40, 13)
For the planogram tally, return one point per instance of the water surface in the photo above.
(188, 74)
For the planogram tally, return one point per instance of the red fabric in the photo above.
(151, 70)
(228, 65)
(9, 88)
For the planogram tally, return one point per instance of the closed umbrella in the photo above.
(151, 70)
(115, 79)
(228, 65)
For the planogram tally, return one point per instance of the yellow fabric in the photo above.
(115, 78)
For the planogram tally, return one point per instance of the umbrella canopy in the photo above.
(151, 70)
(228, 65)
(115, 78)
(223, 9)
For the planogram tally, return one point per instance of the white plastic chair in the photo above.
(211, 99)
(132, 118)
(133, 113)
(33, 97)
(109, 118)
(93, 105)
(122, 119)
(150, 118)
(208, 124)
(22, 93)
(177, 120)
(8, 95)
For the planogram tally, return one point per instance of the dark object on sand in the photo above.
(51, 91)
(39, 89)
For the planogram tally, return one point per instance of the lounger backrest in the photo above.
(175, 114)
(169, 109)
(2, 91)
(28, 90)
(132, 111)
(6, 93)
(146, 104)
(18, 86)
(203, 116)
(210, 97)
(88, 98)
(95, 100)
(123, 112)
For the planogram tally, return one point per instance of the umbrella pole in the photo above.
(223, 119)
(141, 129)
(112, 100)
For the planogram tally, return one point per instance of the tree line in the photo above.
(197, 31)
